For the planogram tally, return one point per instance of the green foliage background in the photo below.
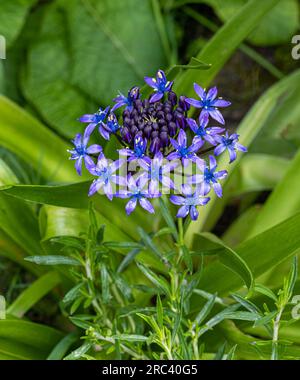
(143, 287)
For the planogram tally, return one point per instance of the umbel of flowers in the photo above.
(156, 134)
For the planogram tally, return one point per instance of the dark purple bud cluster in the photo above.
(156, 122)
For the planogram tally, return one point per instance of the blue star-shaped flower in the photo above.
(231, 144)
(160, 85)
(202, 132)
(94, 119)
(105, 172)
(157, 173)
(110, 127)
(81, 151)
(182, 151)
(188, 202)
(209, 103)
(137, 193)
(122, 100)
(138, 152)
(210, 177)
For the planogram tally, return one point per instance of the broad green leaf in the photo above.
(223, 44)
(119, 226)
(284, 121)
(239, 229)
(38, 338)
(59, 222)
(259, 172)
(33, 294)
(251, 125)
(17, 219)
(99, 50)
(75, 196)
(53, 260)
(12, 17)
(276, 28)
(261, 253)
(12, 350)
(19, 222)
(28, 138)
(227, 256)
(283, 202)
(10, 250)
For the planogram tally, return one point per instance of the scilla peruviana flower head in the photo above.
(156, 137)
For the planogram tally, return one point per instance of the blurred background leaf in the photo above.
(279, 25)
(84, 53)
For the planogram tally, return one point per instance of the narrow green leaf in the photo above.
(63, 346)
(150, 244)
(156, 280)
(124, 288)
(250, 306)
(79, 352)
(263, 321)
(159, 312)
(53, 260)
(130, 338)
(292, 278)
(204, 312)
(265, 291)
(105, 283)
(231, 352)
(129, 258)
(72, 294)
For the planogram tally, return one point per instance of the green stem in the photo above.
(180, 232)
(274, 355)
